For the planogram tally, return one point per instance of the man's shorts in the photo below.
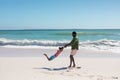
(52, 57)
(73, 52)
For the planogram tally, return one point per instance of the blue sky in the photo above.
(59, 14)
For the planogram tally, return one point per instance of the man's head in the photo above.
(74, 34)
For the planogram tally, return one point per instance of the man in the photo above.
(74, 48)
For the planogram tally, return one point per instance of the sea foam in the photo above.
(103, 44)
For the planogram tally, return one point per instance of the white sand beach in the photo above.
(30, 64)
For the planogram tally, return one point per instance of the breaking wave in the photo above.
(103, 44)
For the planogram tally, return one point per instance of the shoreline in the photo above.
(38, 52)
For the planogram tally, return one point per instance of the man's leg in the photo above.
(70, 60)
(73, 61)
(73, 52)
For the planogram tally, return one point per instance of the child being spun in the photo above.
(55, 55)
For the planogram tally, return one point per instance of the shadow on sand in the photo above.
(52, 69)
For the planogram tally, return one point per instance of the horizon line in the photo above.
(66, 29)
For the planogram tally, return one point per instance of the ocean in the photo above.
(96, 39)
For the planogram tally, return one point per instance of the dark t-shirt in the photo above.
(74, 43)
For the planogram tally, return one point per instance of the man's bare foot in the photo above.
(73, 65)
(69, 66)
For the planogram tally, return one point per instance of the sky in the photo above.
(59, 14)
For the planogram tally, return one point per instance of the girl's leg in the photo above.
(47, 57)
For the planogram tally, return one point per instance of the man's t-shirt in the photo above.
(74, 43)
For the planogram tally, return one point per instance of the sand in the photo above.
(30, 64)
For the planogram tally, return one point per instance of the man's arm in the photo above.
(69, 43)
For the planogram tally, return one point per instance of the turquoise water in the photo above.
(97, 39)
(60, 34)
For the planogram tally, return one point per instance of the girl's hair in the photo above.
(60, 47)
